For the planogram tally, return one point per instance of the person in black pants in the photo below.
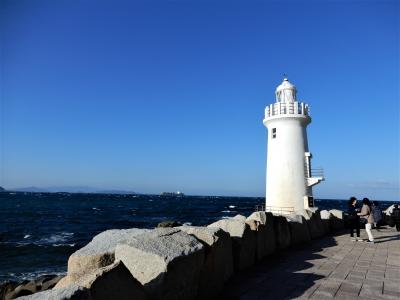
(354, 219)
(396, 216)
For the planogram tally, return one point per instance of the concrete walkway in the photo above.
(331, 267)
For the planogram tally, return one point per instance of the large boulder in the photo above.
(326, 219)
(337, 219)
(100, 252)
(298, 229)
(387, 216)
(314, 222)
(243, 240)
(282, 232)
(270, 233)
(262, 224)
(112, 281)
(388, 211)
(166, 261)
(259, 231)
(240, 218)
(218, 264)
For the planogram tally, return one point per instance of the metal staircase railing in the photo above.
(318, 172)
(277, 210)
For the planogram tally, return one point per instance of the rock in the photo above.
(259, 233)
(387, 216)
(218, 264)
(39, 284)
(259, 216)
(24, 289)
(282, 232)
(315, 226)
(388, 211)
(49, 282)
(240, 218)
(68, 280)
(72, 292)
(337, 220)
(298, 229)
(168, 224)
(113, 282)
(166, 261)
(270, 233)
(243, 241)
(97, 254)
(7, 287)
(257, 222)
(326, 217)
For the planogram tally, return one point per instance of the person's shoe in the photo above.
(371, 242)
(360, 240)
(353, 239)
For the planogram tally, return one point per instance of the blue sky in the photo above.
(156, 96)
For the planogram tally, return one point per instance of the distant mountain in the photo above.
(2, 189)
(70, 189)
(121, 192)
(31, 189)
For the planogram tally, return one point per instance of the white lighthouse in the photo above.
(289, 174)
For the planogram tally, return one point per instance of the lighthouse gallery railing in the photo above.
(290, 108)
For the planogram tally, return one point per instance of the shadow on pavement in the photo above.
(288, 274)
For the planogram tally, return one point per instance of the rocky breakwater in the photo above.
(184, 262)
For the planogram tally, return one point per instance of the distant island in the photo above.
(173, 194)
(68, 189)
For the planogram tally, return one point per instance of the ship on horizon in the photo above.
(173, 194)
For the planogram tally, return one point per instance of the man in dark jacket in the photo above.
(354, 219)
(396, 216)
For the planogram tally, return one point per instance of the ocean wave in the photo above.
(225, 217)
(56, 238)
(227, 211)
(15, 276)
(64, 245)
(187, 224)
(232, 206)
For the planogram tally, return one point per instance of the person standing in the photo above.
(354, 219)
(395, 215)
(366, 213)
(377, 213)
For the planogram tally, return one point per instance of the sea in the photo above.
(39, 231)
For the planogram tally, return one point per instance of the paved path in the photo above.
(331, 267)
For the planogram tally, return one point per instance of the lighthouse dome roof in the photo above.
(285, 85)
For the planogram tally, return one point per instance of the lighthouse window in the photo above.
(273, 133)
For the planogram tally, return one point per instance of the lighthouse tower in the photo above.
(289, 174)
